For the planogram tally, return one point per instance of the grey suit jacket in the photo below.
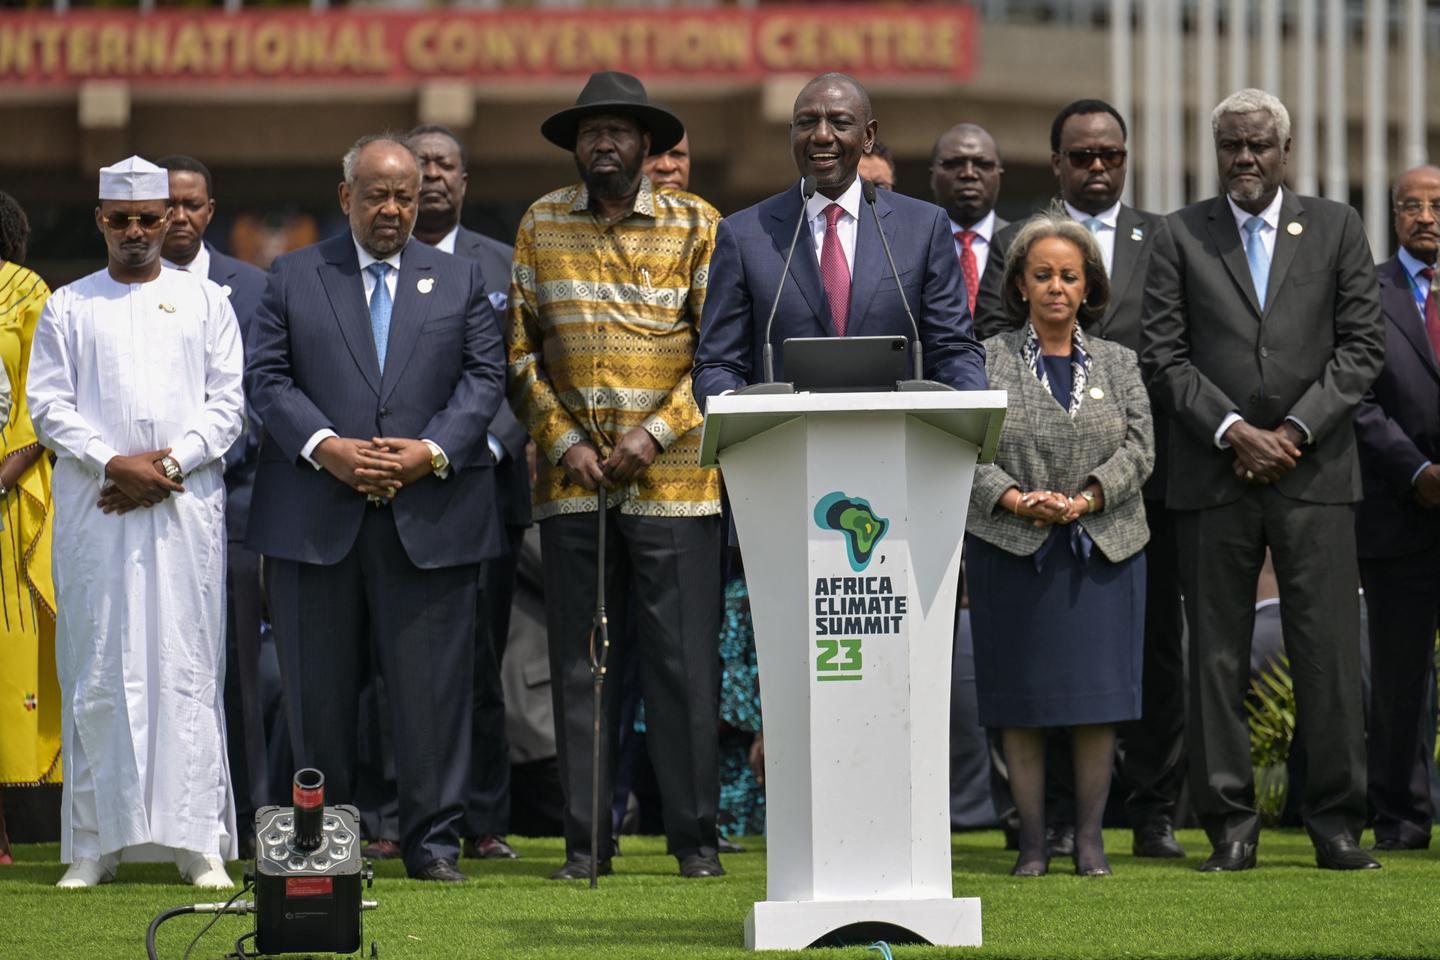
(1210, 348)
(1043, 448)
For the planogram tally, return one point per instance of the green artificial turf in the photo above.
(1284, 909)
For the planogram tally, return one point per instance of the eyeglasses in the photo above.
(958, 164)
(1412, 208)
(122, 221)
(1084, 159)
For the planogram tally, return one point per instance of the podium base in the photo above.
(797, 924)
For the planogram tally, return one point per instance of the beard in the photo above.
(611, 186)
(1247, 192)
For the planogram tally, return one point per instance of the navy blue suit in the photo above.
(745, 272)
(1397, 426)
(244, 719)
(488, 811)
(344, 576)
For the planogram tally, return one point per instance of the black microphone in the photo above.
(807, 190)
(919, 382)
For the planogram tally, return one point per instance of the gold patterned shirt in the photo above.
(604, 318)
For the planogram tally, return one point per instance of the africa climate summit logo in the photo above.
(852, 518)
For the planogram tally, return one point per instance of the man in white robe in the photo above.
(135, 384)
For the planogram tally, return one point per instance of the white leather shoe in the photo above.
(90, 873)
(201, 870)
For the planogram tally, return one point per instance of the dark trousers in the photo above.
(1402, 595)
(1313, 547)
(244, 710)
(1152, 771)
(673, 566)
(488, 811)
(421, 624)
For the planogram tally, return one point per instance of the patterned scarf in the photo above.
(1079, 364)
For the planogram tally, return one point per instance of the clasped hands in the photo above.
(632, 455)
(1045, 507)
(378, 467)
(136, 481)
(1263, 456)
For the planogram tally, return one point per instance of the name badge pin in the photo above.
(1294, 228)
(1097, 394)
(425, 284)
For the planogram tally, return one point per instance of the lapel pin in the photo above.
(226, 290)
(168, 308)
(1137, 234)
(1097, 394)
(1294, 228)
(425, 284)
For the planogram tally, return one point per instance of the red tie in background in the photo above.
(969, 268)
(1432, 313)
(834, 271)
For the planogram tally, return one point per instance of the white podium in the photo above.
(851, 509)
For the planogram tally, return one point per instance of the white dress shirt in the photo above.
(392, 278)
(984, 229)
(1105, 236)
(447, 242)
(1271, 217)
(198, 265)
(846, 227)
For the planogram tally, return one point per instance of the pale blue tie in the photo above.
(1095, 225)
(380, 308)
(1258, 259)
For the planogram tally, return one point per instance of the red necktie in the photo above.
(969, 267)
(1432, 313)
(834, 271)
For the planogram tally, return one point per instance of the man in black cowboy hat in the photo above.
(609, 279)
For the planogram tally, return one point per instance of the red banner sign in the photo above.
(169, 48)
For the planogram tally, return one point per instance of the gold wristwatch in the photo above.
(1089, 498)
(439, 463)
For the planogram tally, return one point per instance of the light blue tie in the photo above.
(1095, 225)
(1258, 259)
(380, 308)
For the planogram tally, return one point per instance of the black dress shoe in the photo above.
(1061, 838)
(699, 865)
(1341, 853)
(489, 847)
(578, 868)
(1157, 839)
(1392, 844)
(1230, 857)
(726, 845)
(441, 871)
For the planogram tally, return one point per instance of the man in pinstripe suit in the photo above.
(375, 365)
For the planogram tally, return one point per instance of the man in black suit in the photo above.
(1398, 523)
(1262, 332)
(437, 222)
(965, 172)
(193, 204)
(376, 366)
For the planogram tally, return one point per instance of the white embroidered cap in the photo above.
(134, 179)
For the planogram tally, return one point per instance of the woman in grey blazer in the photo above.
(1054, 563)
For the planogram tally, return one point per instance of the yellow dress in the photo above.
(29, 691)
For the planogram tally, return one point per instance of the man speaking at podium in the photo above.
(840, 283)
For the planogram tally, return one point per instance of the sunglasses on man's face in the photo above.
(122, 221)
(1084, 159)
